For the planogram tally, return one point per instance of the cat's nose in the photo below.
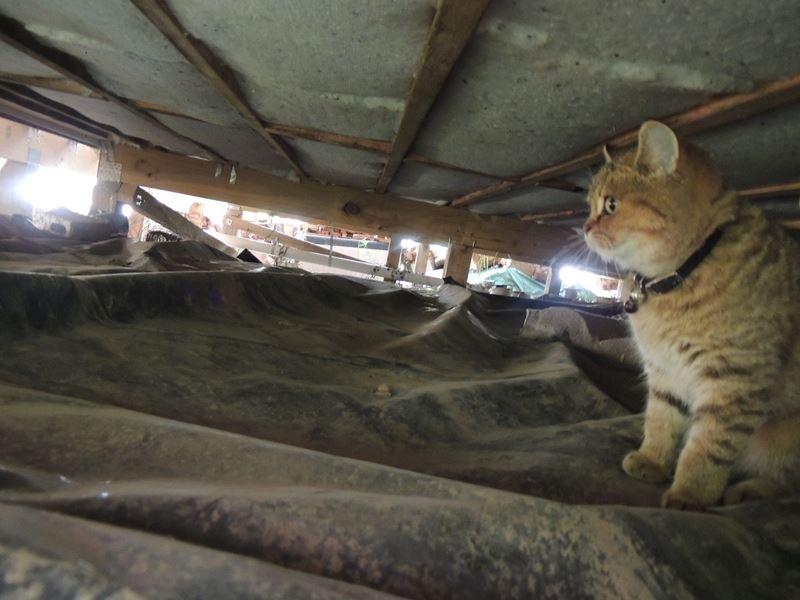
(587, 227)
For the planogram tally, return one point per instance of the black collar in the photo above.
(647, 285)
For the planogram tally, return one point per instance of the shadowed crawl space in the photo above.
(175, 423)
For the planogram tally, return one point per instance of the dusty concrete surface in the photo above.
(174, 423)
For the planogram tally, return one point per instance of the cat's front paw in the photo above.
(639, 466)
(682, 500)
(750, 490)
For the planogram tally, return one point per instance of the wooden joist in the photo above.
(329, 137)
(764, 191)
(340, 206)
(700, 118)
(559, 214)
(56, 84)
(754, 193)
(17, 37)
(770, 191)
(452, 28)
(216, 73)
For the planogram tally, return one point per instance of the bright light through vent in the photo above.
(571, 276)
(53, 187)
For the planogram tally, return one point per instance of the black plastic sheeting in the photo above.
(196, 431)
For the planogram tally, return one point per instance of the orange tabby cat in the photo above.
(721, 342)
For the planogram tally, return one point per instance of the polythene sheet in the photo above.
(177, 424)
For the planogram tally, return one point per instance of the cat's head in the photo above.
(653, 206)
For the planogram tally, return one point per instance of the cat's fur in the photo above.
(722, 350)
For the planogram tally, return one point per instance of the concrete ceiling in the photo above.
(538, 83)
(543, 80)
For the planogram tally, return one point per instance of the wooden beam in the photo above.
(341, 206)
(13, 34)
(768, 191)
(706, 116)
(146, 204)
(286, 240)
(452, 28)
(458, 263)
(217, 74)
(577, 212)
(56, 84)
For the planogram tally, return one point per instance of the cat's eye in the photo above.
(609, 204)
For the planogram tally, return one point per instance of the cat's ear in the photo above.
(606, 155)
(658, 148)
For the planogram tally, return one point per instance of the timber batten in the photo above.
(731, 108)
(451, 30)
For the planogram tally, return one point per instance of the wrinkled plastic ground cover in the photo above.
(186, 426)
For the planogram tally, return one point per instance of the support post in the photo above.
(104, 194)
(421, 264)
(457, 265)
(554, 287)
(549, 282)
(11, 201)
(104, 197)
(229, 221)
(394, 255)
